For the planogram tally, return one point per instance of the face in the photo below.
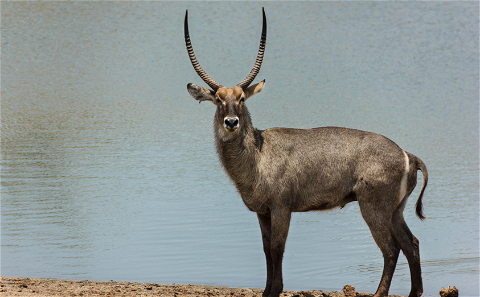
(230, 104)
(231, 109)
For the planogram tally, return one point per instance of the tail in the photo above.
(419, 205)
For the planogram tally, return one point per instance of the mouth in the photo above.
(230, 129)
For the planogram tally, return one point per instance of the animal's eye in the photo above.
(241, 100)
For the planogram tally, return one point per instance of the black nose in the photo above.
(231, 122)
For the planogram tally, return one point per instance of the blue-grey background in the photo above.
(108, 165)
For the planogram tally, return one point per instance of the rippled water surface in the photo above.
(108, 165)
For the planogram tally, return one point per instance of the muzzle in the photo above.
(231, 123)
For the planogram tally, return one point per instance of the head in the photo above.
(230, 102)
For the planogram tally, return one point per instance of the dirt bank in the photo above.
(15, 286)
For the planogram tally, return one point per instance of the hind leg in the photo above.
(410, 248)
(380, 226)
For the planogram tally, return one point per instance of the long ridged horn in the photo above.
(206, 78)
(258, 62)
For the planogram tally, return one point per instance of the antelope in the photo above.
(283, 170)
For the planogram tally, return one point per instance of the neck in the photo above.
(238, 153)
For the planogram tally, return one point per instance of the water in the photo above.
(108, 165)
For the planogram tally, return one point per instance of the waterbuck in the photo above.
(281, 170)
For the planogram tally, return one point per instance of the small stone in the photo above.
(349, 291)
(449, 292)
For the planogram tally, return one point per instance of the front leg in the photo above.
(280, 224)
(274, 233)
(265, 227)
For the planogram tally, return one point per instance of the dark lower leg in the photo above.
(410, 248)
(277, 283)
(415, 270)
(265, 227)
(389, 264)
(280, 224)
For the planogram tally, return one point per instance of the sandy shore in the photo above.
(15, 286)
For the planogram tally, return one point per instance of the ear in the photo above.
(255, 89)
(200, 93)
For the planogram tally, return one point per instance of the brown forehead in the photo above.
(225, 92)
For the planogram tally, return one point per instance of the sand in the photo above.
(17, 286)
